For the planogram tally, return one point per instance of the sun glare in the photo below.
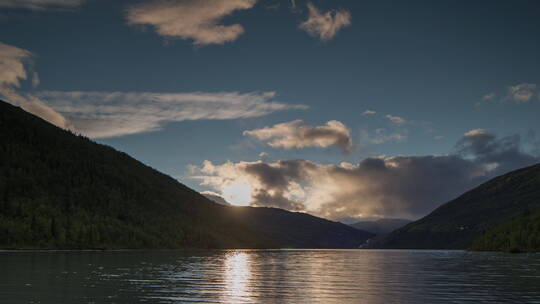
(238, 194)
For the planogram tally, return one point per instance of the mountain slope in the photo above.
(381, 226)
(457, 223)
(59, 190)
(522, 234)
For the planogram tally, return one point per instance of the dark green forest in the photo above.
(61, 190)
(521, 234)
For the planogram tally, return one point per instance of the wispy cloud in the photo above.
(382, 135)
(36, 106)
(15, 68)
(369, 112)
(13, 61)
(296, 135)
(292, 4)
(190, 19)
(489, 96)
(476, 133)
(396, 119)
(396, 131)
(108, 114)
(374, 187)
(325, 25)
(41, 4)
(522, 93)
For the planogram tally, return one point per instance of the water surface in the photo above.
(269, 276)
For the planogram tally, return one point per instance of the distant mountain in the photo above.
(60, 190)
(456, 224)
(381, 226)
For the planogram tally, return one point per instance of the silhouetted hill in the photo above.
(457, 223)
(381, 226)
(59, 190)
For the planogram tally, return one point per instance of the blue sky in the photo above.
(444, 68)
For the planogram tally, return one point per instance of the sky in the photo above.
(344, 109)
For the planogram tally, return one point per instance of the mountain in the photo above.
(456, 224)
(381, 226)
(60, 190)
(522, 234)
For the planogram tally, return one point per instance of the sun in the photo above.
(238, 194)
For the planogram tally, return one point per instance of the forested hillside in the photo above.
(456, 224)
(60, 190)
(521, 234)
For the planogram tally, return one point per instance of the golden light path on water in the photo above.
(237, 276)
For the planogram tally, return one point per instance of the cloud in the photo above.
(13, 62)
(14, 69)
(215, 197)
(325, 25)
(489, 96)
(190, 19)
(400, 186)
(381, 136)
(296, 135)
(506, 153)
(396, 119)
(519, 93)
(292, 4)
(369, 112)
(476, 133)
(266, 183)
(41, 4)
(35, 79)
(522, 93)
(109, 114)
(397, 133)
(34, 105)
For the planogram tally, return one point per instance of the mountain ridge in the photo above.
(456, 224)
(59, 190)
(381, 226)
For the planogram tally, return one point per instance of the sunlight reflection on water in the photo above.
(237, 276)
(269, 276)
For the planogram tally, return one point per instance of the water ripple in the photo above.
(270, 276)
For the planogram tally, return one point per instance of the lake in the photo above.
(269, 276)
